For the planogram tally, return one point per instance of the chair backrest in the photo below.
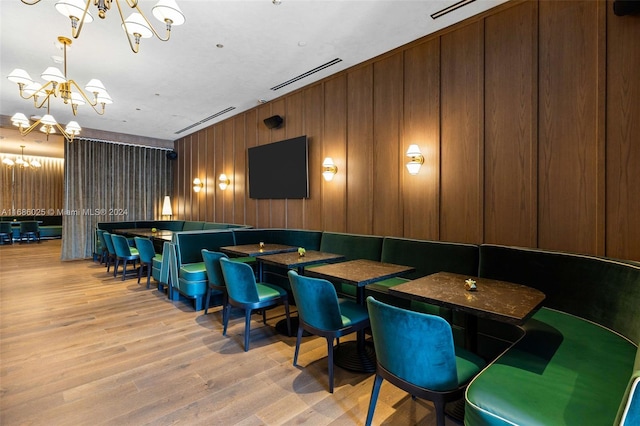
(5, 227)
(414, 346)
(212, 265)
(29, 226)
(317, 302)
(240, 281)
(106, 236)
(121, 245)
(145, 249)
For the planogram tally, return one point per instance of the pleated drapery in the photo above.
(32, 191)
(108, 182)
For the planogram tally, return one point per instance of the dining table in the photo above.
(157, 237)
(477, 297)
(358, 355)
(293, 260)
(255, 250)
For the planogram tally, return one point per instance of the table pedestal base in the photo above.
(350, 356)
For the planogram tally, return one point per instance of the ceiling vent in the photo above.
(307, 74)
(451, 8)
(204, 120)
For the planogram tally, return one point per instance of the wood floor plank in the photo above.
(80, 347)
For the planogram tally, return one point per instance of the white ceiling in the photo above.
(172, 85)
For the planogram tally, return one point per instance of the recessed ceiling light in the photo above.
(302, 43)
(262, 101)
(276, 2)
(219, 45)
(57, 59)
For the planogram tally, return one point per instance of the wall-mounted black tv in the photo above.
(279, 170)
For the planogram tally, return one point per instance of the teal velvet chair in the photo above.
(245, 293)
(111, 251)
(215, 279)
(322, 313)
(415, 352)
(101, 247)
(147, 252)
(124, 254)
(29, 230)
(6, 233)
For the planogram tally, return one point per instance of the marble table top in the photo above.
(498, 300)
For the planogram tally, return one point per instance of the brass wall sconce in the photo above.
(197, 185)
(329, 169)
(223, 181)
(416, 159)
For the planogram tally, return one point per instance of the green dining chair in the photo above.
(29, 230)
(124, 254)
(215, 279)
(111, 251)
(147, 252)
(6, 233)
(244, 292)
(322, 313)
(415, 352)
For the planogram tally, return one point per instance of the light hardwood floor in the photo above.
(78, 347)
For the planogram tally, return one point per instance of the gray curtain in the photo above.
(109, 182)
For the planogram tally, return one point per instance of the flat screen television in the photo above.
(279, 170)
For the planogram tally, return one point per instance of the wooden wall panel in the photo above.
(360, 151)
(461, 135)
(201, 159)
(250, 139)
(235, 171)
(263, 218)
(217, 163)
(421, 123)
(293, 127)
(623, 136)
(227, 165)
(278, 212)
(387, 117)
(568, 126)
(334, 193)
(527, 117)
(510, 132)
(313, 107)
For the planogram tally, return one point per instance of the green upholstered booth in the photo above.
(577, 358)
(192, 274)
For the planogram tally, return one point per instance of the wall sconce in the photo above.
(197, 185)
(329, 169)
(166, 206)
(416, 159)
(223, 181)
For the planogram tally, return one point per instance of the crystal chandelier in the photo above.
(136, 25)
(57, 85)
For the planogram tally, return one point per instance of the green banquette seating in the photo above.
(578, 358)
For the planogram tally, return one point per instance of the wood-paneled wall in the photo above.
(528, 117)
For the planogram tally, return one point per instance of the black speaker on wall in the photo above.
(626, 7)
(273, 122)
(172, 155)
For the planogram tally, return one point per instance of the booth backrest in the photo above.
(352, 246)
(215, 225)
(309, 240)
(190, 244)
(192, 226)
(429, 257)
(598, 289)
(168, 225)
